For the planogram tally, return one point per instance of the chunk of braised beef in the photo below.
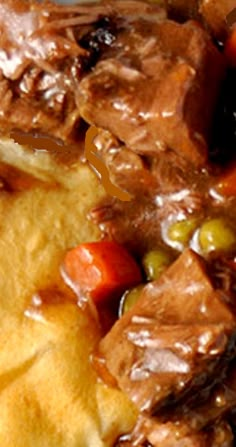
(38, 85)
(157, 90)
(45, 51)
(174, 339)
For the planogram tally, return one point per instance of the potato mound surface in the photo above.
(49, 392)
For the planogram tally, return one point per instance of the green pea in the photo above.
(154, 262)
(216, 235)
(182, 231)
(129, 298)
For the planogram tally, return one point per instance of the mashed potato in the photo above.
(50, 395)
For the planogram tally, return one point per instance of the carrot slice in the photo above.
(101, 269)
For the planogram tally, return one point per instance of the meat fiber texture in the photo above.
(174, 340)
(172, 354)
(43, 59)
(157, 89)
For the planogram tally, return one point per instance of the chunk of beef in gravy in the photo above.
(157, 90)
(46, 49)
(173, 340)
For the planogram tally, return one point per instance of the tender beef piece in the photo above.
(45, 50)
(41, 63)
(174, 339)
(157, 90)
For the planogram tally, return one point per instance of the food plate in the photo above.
(117, 315)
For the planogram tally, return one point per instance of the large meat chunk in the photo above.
(173, 340)
(157, 89)
(40, 66)
(45, 49)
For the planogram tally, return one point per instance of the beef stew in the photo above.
(156, 82)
